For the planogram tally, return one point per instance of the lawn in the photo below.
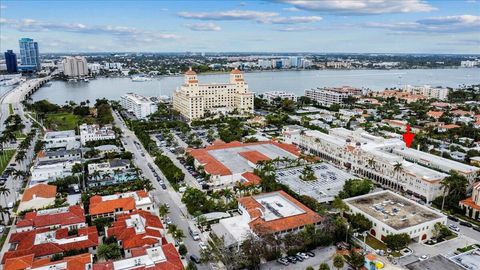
(62, 121)
(5, 157)
(10, 108)
(377, 244)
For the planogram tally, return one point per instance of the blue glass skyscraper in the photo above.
(29, 54)
(11, 61)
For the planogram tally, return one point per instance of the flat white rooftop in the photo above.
(276, 206)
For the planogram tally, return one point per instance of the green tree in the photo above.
(360, 222)
(355, 187)
(109, 251)
(397, 241)
(309, 268)
(338, 261)
(163, 211)
(324, 266)
(182, 250)
(356, 259)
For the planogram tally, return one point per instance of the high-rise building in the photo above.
(194, 100)
(138, 105)
(29, 55)
(329, 96)
(11, 61)
(75, 66)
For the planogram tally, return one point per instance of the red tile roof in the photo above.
(78, 262)
(254, 156)
(39, 191)
(99, 206)
(74, 215)
(251, 179)
(470, 203)
(236, 71)
(172, 261)
(435, 114)
(130, 238)
(25, 243)
(261, 226)
(215, 167)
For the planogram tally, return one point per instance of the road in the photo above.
(178, 212)
(323, 254)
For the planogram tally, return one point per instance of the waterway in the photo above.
(259, 82)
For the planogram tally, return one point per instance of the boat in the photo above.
(140, 78)
(86, 80)
(72, 80)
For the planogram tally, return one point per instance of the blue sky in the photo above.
(357, 26)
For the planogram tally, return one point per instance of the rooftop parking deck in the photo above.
(329, 182)
(393, 210)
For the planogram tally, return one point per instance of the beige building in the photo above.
(471, 205)
(194, 100)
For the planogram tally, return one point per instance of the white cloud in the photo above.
(291, 9)
(228, 15)
(3, 7)
(249, 15)
(362, 6)
(203, 27)
(446, 24)
(301, 28)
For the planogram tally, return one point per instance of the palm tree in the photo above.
(5, 192)
(18, 173)
(371, 162)
(172, 228)
(20, 156)
(148, 186)
(227, 193)
(163, 211)
(178, 235)
(3, 211)
(397, 167)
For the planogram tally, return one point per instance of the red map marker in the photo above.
(408, 137)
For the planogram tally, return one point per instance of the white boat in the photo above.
(86, 80)
(140, 79)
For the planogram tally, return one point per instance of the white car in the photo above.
(423, 258)
(454, 228)
(202, 245)
(168, 220)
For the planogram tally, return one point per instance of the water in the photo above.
(259, 82)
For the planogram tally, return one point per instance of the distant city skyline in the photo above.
(360, 26)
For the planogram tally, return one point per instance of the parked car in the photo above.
(299, 258)
(168, 220)
(310, 253)
(292, 259)
(303, 255)
(202, 245)
(454, 227)
(194, 258)
(453, 218)
(423, 258)
(283, 261)
(164, 186)
(466, 224)
(476, 228)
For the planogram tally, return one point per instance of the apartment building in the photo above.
(193, 100)
(440, 93)
(138, 105)
(273, 95)
(70, 217)
(75, 66)
(330, 96)
(112, 205)
(96, 132)
(372, 157)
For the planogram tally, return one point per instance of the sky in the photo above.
(330, 26)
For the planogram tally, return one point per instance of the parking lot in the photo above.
(329, 181)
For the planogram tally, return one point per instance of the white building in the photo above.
(372, 157)
(272, 95)
(469, 63)
(264, 63)
(61, 139)
(440, 93)
(391, 213)
(94, 68)
(113, 66)
(110, 166)
(138, 105)
(50, 170)
(75, 66)
(329, 96)
(193, 100)
(96, 133)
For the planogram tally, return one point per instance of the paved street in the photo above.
(323, 254)
(178, 212)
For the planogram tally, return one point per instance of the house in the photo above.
(435, 114)
(96, 132)
(163, 257)
(447, 127)
(37, 197)
(112, 205)
(471, 205)
(28, 262)
(109, 167)
(61, 140)
(71, 154)
(70, 217)
(136, 230)
(44, 243)
(49, 170)
(269, 213)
